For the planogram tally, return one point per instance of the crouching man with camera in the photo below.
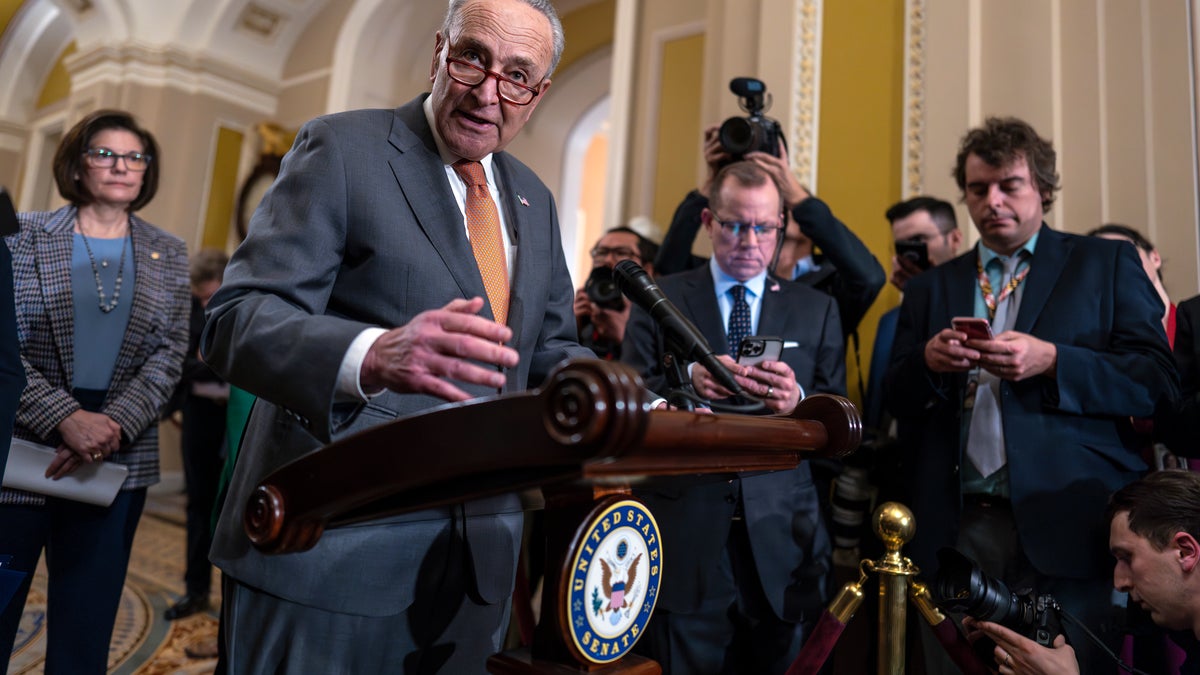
(601, 312)
(1154, 533)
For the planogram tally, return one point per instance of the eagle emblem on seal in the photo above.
(618, 579)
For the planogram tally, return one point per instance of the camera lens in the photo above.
(752, 348)
(737, 136)
(601, 288)
(961, 586)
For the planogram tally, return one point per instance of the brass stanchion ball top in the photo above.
(894, 524)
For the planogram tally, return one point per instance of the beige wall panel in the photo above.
(777, 43)
(732, 49)
(302, 102)
(1108, 81)
(314, 48)
(1014, 59)
(10, 171)
(659, 21)
(1173, 225)
(1080, 145)
(1126, 103)
(946, 104)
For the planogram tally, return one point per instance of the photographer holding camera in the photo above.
(601, 312)
(1154, 534)
(845, 269)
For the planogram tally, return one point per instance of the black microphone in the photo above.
(639, 288)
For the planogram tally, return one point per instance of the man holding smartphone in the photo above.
(845, 268)
(1014, 466)
(755, 554)
(926, 233)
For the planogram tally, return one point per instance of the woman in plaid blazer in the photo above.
(102, 315)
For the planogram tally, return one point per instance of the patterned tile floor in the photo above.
(143, 643)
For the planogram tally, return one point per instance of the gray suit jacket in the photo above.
(361, 229)
(792, 551)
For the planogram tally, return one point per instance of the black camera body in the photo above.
(601, 288)
(755, 132)
(915, 250)
(962, 587)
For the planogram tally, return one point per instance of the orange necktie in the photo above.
(483, 226)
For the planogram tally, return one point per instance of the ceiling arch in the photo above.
(33, 41)
(383, 53)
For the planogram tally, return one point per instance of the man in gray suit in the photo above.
(357, 298)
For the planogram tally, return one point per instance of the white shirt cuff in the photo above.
(349, 380)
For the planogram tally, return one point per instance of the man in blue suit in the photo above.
(752, 554)
(400, 260)
(1023, 437)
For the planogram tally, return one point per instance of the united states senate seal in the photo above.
(612, 584)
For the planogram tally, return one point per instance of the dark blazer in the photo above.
(791, 547)
(148, 363)
(1179, 428)
(361, 229)
(1067, 437)
(12, 373)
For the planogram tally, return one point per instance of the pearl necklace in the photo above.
(110, 306)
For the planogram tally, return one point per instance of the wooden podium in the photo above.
(582, 438)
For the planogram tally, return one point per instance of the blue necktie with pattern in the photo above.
(739, 319)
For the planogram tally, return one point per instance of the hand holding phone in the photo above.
(758, 348)
(976, 328)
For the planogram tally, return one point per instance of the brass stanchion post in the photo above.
(894, 525)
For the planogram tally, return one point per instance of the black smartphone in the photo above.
(758, 348)
(8, 215)
(915, 250)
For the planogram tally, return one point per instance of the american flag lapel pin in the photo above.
(524, 202)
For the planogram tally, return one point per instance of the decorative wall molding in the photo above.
(913, 155)
(12, 136)
(37, 176)
(153, 67)
(79, 7)
(806, 97)
(658, 46)
(32, 43)
(260, 22)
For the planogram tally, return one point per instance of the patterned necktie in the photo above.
(483, 227)
(739, 319)
(985, 438)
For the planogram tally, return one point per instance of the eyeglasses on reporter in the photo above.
(619, 252)
(511, 91)
(103, 158)
(736, 228)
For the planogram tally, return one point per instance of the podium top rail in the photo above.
(591, 423)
